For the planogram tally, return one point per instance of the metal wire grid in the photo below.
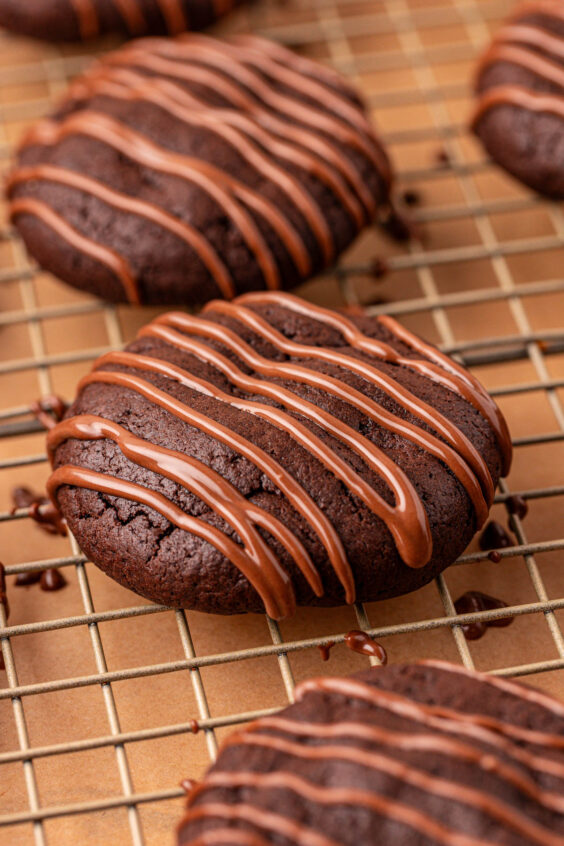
(334, 24)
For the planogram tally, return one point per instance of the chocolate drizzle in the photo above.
(406, 518)
(533, 48)
(266, 128)
(388, 754)
(174, 14)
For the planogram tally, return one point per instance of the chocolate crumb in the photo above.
(52, 579)
(396, 226)
(379, 268)
(442, 158)
(411, 197)
(517, 505)
(494, 536)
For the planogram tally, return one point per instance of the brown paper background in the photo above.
(418, 88)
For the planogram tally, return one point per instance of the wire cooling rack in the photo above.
(103, 692)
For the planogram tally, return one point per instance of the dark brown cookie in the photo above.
(180, 170)
(519, 115)
(272, 452)
(79, 20)
(422, 754)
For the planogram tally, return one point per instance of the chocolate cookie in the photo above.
(417, 754)
(519, 115)
(273, 453)
(180, 170)
(79, 20)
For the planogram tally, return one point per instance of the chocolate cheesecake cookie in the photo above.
(420, 754)
(519, 115)
(271, 453)
(80, 20)
(177, 170)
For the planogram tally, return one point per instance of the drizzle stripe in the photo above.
(242, 104)
(537, 65)
(106, 256)
(112, 485)
(419, 779)
(173, 14)
(139, 149)
(414, 742)
(303, 201)
(529, 694)
(229, 835)
(218, 494)
(132, 14)
(303, 375)
(513, 95)
(87, 18)
(296, 495)
(552, 8)
(189, 51)
(124, 202)
(453, 436)
(461, 382)
(427, 713)
(407, 522)
(266, 820)
(382, 805)
(531, 36)
(307, 86)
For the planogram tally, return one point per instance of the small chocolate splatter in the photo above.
(23, 497)
(379, 268)
(194, 726)
(442, 158)
(49, 410)
(517, 505)
(30, 577)
(188, 785)
(494, 556)
(411, 197)
(325, 649)
(396, 225)
(52, 579)
(473, 601)
(40, 509)
(363, 644)
(494, 536)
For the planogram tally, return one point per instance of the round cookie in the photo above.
(519, 114)
(79, 20)
(177, 170)
(426, 754)
(271, 453)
